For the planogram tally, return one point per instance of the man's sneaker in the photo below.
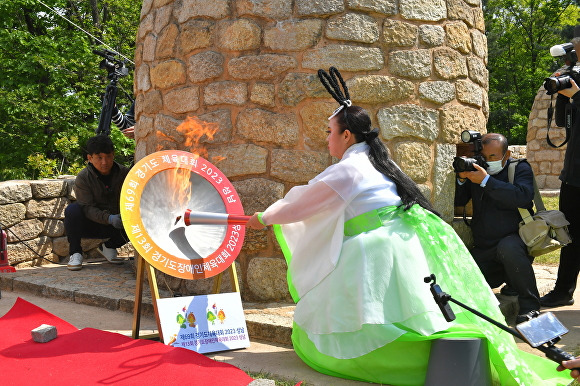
(110, 254)
(75, 263)
(555, 299)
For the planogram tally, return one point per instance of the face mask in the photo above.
(494, 167)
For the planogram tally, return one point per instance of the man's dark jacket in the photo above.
(495, 207)
(571, 171)
(98, 199)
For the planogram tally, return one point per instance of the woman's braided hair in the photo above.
(358, 122)
(329, 81)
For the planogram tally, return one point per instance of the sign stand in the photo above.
(157, 189)
(142, 267)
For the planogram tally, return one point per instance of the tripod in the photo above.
(116, 70)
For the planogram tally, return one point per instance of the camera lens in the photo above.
(463, 164)
(554, 84)
(551, 85)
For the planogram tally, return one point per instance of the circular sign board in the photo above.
(158, 191)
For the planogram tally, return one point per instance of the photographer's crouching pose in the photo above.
(359, 240)
(499, 251)
(96, 212)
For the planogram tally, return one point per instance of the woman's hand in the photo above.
(254, 223)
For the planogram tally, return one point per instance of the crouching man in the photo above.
(499, 251)
(96, 212)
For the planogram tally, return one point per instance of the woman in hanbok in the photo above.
(359, 240)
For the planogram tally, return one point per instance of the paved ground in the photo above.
(102, 296)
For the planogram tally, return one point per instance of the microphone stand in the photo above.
(442, 299)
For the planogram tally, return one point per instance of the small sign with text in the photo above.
(204, 323)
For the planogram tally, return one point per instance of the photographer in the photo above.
(563, 291)
(499, 251)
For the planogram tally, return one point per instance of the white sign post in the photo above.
(204, 323)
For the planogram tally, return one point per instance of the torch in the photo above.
(209, 218)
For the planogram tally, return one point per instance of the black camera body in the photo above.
(115, 67)
(565, 51)
(554, 84)
(465, 164)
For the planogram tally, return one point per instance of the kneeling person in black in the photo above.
(96, 212)
(499, 251)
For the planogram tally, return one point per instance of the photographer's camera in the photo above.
(554, 84)
(565, 51)
(465, 164)
(115, 67)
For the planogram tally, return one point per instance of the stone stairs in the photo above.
(113, 287)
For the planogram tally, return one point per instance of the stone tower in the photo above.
(417, 66)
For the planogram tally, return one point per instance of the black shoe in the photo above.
(527, 316)
(554, 299)
(508, 291)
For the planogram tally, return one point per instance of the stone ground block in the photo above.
(44, 333)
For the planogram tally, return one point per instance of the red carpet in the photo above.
(91, 357)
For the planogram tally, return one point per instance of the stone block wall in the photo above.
(417, 66)
(32, 213)
(546, 161)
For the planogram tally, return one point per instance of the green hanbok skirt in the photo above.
(373, 317)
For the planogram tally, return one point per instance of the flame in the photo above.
(217, 159)
(179, 181)
(193, 129)
(164, 141)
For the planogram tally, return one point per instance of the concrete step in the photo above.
(112, 287)
(104, 285)
(271, 322)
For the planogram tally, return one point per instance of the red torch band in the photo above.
(209, 218)
(238, 219)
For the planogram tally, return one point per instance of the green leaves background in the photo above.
(51, 83)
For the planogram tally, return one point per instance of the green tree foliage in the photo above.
(51, 83)
(519, 36)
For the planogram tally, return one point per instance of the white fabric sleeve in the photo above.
(302, 202)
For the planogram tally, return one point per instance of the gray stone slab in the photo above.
(43, 333)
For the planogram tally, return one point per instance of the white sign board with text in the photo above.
(204, 323)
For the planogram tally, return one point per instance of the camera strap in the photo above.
(569, 116)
